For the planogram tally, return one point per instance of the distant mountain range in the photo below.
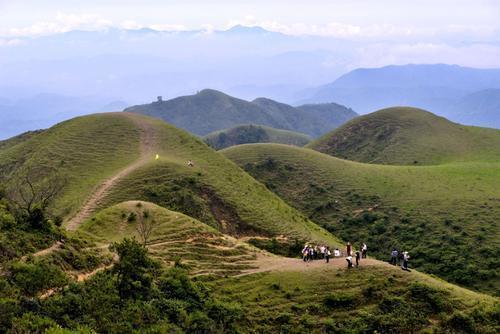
(466, 95)
(210, 110)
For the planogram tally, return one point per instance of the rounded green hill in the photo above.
(409, 136)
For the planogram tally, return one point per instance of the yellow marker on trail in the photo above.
(157, 157)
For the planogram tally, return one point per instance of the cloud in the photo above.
(62, 23)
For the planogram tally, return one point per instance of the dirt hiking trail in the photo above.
(147, 144)
(266, 262)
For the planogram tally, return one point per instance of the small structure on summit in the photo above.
(160, 98)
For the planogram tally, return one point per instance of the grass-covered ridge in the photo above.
(92, 149)
(246, 134)
(210, 110)
(364, 300)
(447, 215)
(409, 136)
(85, 151)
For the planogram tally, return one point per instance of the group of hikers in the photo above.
(312, 252)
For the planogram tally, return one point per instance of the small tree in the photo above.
(145, 226)
(135, 269)
(34, 191)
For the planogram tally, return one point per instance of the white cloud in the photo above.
(62, 23)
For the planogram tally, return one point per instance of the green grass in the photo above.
(215, 190)
(364, 300)
(85, 150)
(89, 149)
(409, 136)
(245, 134)
(174, 237)
(446, 216)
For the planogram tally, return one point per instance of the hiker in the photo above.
(336, 252)
(349, 261)
(311, 253)
(364, 250)
(327, 254)
(322, 250)
(358, 256)
(394, 256)
(305, 252)
(190, 163)
(349, 249)
(406, 257)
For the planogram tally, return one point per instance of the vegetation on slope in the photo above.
(83, 151)
(87, 150)
(363, 300)
(447, 216)
(214, 190)
(247, 134)
(211, 110)
(172, 237)
(409, 136)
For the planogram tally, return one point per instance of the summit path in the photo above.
(147, 143)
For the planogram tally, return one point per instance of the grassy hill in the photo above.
(89, 150)
(365, 300)
(409, 136)
(210, 110)
(246, 134)
(174, 237)
(446, 216)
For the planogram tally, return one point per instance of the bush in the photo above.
(339, 300)
(32, 278)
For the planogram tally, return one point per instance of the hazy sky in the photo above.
(468, 20)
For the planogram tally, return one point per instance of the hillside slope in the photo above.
(446, 216)
(409, 136)
(246, 134)
(210, 110)
(91, 151)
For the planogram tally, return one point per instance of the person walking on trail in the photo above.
(406, 258)
(364, 250)
(311, 253)
(349, 261)
(305, 253)
(327, 254)
(358, 256)
(349, 249)
(336, 252)
(322, 250)
(394, 256)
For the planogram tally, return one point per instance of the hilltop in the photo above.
(409, 136)
(210, 110)
(446, 216)
(110, 158)
(245, 134)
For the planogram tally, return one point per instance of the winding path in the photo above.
(146, 152)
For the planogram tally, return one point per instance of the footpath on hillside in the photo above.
(146, 151)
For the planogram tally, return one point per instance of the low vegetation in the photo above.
(363, 300)
(409, 136)
(445, 216)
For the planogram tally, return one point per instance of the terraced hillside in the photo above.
(246, 134)
(447, 216)
(409, 136)
(109, 158)
(173, 237)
